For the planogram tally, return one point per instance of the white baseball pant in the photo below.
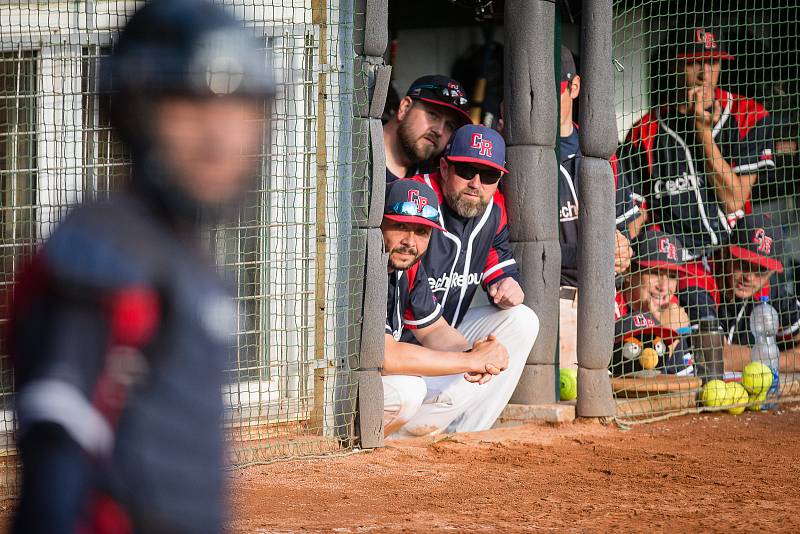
(422, 406)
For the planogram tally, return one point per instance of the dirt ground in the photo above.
(696, 473)
(693, 473)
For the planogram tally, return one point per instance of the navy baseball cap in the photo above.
(757, 239)
(412, 202)
(441, 91)
(654, 249)
(568, 70)
(475, 143)
(639, 325)
(700, 43)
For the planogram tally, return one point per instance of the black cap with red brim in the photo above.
(412, 202)
(757, 239)
(655, 249)
(441, 91)
(696, 44)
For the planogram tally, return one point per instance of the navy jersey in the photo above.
(121, 331)
(666, 167)
(703, 300)
(471, 252)
(627, 209)
(410, 304)
(735, 317)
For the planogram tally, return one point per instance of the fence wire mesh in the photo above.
(292, 250)
(707, 105)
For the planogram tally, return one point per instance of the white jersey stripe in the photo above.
(427, 319)
(497, 267)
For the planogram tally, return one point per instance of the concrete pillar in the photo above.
(596, 235)
(531, 188)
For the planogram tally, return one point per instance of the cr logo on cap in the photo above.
(668, 248)
(763, 240)
(416, 198)
(484, 147)
(642, 321)
(707, 39)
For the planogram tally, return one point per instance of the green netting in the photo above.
(707, 105)
(292, 251)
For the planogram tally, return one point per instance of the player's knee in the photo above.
(403, 396)
(523, 321)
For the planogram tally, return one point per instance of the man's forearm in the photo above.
(408, 359)
(732, 189)
(441, 336)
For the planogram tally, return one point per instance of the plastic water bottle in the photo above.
(764, 323)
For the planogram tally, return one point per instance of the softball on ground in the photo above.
(759, 399)
(756, 377)
(568, 381)
(713, 393)
(736, 394)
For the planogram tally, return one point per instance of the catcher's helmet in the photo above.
(180, 47)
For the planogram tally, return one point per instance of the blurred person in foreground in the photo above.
(443, 354)
(122, 323)
(415, 136)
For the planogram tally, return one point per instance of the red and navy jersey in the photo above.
(666, 167)
(410, 303)
(704, 300)
(627, 208)
(469, 253)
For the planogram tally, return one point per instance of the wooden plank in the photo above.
(656, 404)
(652, 385)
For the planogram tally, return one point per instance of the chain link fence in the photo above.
(707, 105)
(291, 250)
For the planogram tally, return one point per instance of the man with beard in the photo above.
(433, 108)
(414, 374)
(746, 270)
(472, 250)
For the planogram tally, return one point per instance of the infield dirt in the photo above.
(694, 473)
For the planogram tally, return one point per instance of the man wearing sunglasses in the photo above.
(433, 108)
(471, 251)
(417, 374)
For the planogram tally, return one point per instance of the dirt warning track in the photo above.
(707, 472)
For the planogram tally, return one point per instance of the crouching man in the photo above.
(472, 251)
(443, 360)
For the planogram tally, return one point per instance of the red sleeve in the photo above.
(500, 261)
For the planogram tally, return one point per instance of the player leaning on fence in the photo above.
(473, 251)
(411, 213)
(695, 158)
(414, 138)
(122, 325)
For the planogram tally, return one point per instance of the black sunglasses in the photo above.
(467, 171)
